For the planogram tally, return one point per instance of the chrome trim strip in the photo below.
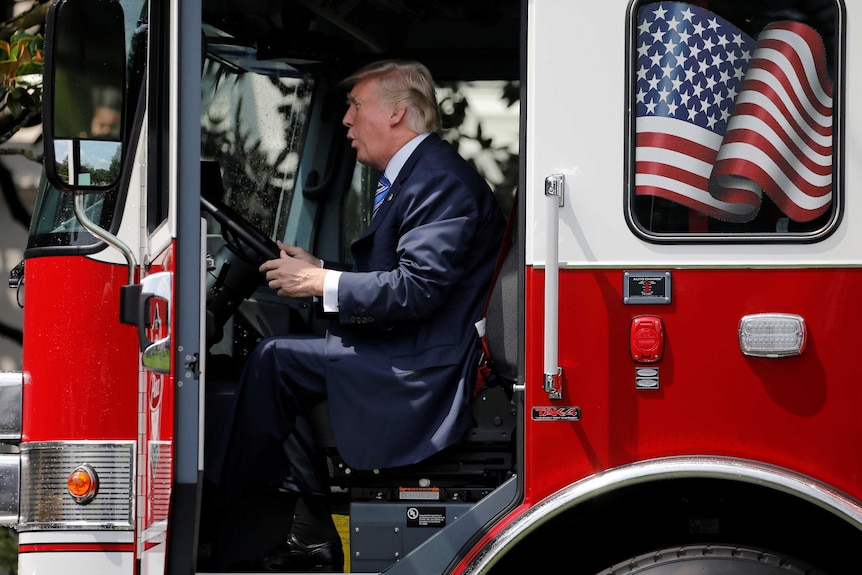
(88, 537)
(10, 484)
(46, 502)
(11, 383)
(666, 468)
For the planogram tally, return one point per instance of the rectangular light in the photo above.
(772, 335)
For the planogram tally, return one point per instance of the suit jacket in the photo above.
(403, 351)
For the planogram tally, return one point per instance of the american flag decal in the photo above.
(721, 119)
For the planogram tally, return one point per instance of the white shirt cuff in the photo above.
(330, 291)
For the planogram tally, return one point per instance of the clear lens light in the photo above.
(772, 335)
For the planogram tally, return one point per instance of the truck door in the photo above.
(171, 321)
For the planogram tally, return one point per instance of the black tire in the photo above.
(711, 560)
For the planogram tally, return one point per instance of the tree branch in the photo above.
(32, 155)
(35, 16)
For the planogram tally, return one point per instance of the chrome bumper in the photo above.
(11, 384)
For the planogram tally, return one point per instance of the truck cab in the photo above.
(668, 334)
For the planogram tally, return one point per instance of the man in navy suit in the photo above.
(399, 360)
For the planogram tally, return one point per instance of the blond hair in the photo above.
(404, 83)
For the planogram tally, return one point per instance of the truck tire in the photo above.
(711, 560)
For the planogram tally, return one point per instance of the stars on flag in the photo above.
(690, 65)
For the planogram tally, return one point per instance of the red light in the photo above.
(647, 339)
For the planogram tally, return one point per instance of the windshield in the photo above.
(253, 125)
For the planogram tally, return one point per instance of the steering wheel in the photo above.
(244, 238)
(234, 279)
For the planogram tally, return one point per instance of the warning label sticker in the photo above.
(419, 493)
(426, 516)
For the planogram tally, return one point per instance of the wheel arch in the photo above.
(654, 503)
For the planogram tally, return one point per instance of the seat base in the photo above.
(466, 471)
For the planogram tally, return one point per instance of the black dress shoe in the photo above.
(293, 555)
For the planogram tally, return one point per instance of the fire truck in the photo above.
(670, 334)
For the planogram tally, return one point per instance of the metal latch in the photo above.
(554, 187)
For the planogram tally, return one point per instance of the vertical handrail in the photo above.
(555, 199)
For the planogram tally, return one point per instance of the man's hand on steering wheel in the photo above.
(296, 273)
(299, 253)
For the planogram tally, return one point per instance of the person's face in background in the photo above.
(105, 123)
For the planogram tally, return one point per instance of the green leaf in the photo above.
(26, 99)
(36, 48)
(8, 550)
(30, 68)
(15, 108)
(19, 34)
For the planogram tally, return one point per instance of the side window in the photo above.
(357, 206)
(733, 105)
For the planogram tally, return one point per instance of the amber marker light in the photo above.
(83, 483)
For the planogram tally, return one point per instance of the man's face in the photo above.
(368, 124)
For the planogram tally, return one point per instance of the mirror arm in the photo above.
(105, 235)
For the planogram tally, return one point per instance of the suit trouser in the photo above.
(268, 439)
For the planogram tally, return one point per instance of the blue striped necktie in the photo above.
(380, 194)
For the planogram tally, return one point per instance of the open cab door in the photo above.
(96, 55)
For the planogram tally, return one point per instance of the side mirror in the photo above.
(84, 88)
(154, 322)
